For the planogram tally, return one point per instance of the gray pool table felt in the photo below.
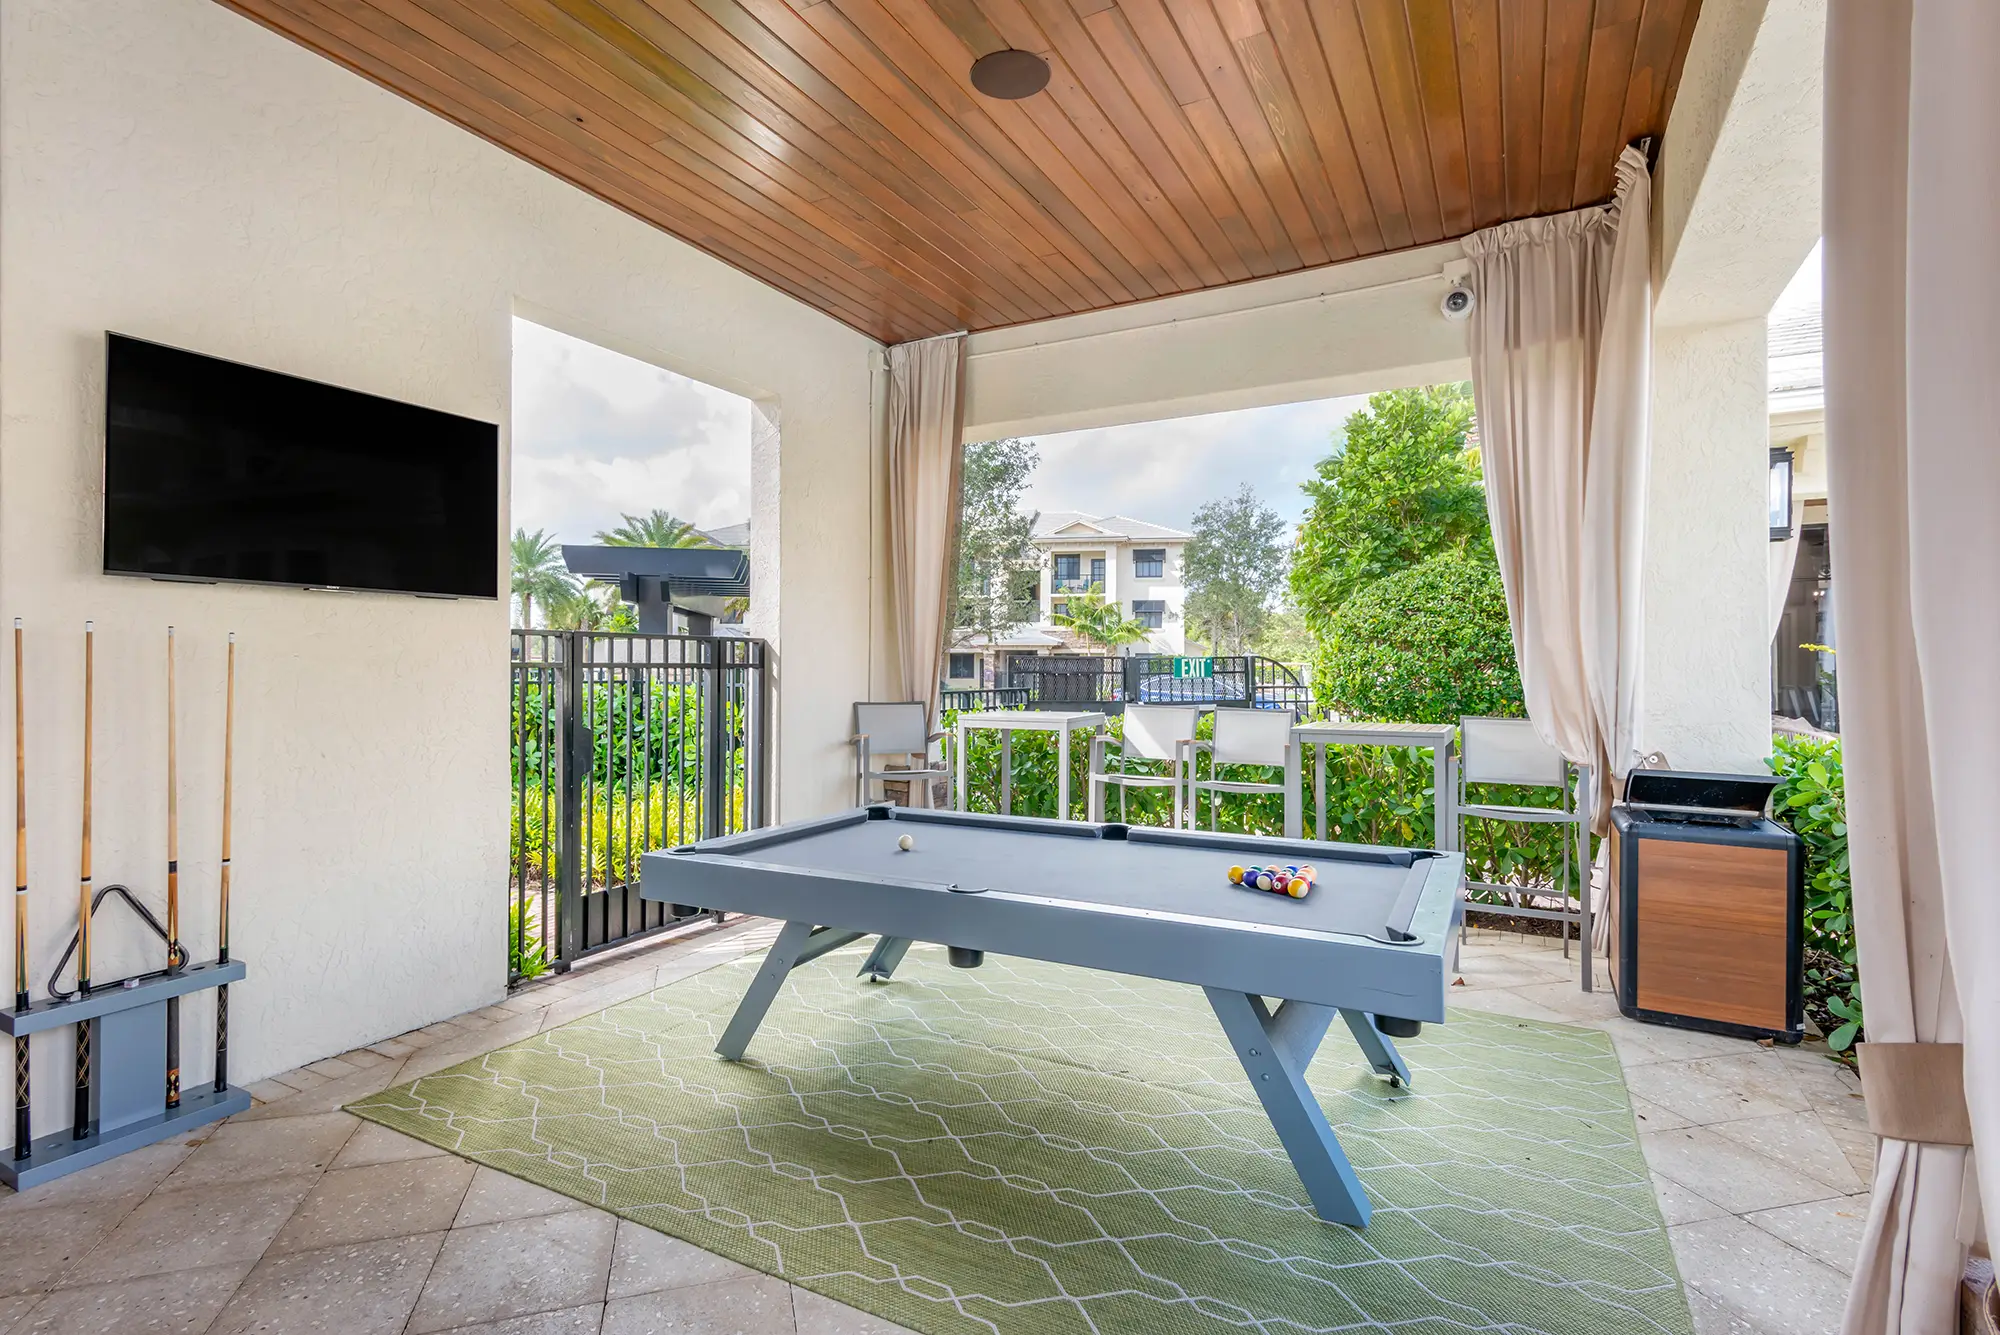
(1352, 897)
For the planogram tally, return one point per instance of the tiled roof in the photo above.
(1795, 363)
(1051, 522)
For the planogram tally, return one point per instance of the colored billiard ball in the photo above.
(1297, 889)
(1236, 876)
(905, 843)
(1279, 881)
(1309, 873)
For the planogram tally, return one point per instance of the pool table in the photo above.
(1370, 943)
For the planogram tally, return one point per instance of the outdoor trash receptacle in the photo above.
(1705, 906)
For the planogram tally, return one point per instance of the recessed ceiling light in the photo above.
(1010, 75)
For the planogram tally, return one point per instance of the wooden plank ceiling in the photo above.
(836, 148)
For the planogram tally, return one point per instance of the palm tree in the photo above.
(656, 528)
(580, 609)
(1091, 619)
(539, 572)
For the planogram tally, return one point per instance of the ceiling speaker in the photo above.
(1010, 75)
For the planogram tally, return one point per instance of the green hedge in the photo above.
(1374, 795)
(1811, 799)
(615, 832)
(1428, 644)
(638, 729)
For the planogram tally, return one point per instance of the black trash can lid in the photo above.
(1686, 790)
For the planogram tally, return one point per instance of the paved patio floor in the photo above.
(296, 1216)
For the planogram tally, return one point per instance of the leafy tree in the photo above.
(1285, 638)
(1234, 567)
(995, 539)
(1426, 644)
(655, 528)
(539, 575)
(1094, 621)
(1402, 488)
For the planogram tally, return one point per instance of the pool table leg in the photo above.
(882, 960)
(1274, 1054)
(1377, 1047)
(799, 943)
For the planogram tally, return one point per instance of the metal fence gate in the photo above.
(621, 744)
(1108, 684)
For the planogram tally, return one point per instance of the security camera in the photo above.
(1458, 303)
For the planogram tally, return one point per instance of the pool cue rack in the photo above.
(128, 1026)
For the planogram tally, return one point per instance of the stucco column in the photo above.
(1708, 662)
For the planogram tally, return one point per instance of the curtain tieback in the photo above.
(1916, 1092)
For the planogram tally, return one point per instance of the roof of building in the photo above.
(729, 535)
(686, 572)
(1051, 523)
(1796, 364)
(1018, 637)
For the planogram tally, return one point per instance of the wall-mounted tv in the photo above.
(217, 471)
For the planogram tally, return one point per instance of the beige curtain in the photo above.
(926, 416)
(1912, 346)
(1561, 345)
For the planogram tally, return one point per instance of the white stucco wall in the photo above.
(1736, 212)
(1708, 658)
(170, 170)
(1738, 202)
(1342, 329)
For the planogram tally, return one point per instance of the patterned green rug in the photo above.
(1034, 1150)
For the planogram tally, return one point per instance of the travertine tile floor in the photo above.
(296, 1216)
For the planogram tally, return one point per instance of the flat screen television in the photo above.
(216, 471)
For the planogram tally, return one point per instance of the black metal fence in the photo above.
(993, 697)
(621, 744)
(1105, 683)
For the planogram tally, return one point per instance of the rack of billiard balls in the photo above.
(1293, 881)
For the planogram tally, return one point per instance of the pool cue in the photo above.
(173, 889)
(228, 759)
(81, 1120)
(21, 1132)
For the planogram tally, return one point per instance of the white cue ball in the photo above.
(905, 842)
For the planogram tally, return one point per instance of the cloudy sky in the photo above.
(1162, 471)
(597, 434)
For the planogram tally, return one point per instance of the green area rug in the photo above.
(1025, 1148)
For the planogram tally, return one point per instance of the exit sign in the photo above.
(1194, 667)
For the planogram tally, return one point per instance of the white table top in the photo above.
(1377, 734)
(1043, 720)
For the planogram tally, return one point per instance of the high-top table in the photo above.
(1440, 738)
(1007, 722)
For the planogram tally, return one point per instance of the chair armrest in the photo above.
(858, 738)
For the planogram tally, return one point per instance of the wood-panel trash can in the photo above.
(1706, 906)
